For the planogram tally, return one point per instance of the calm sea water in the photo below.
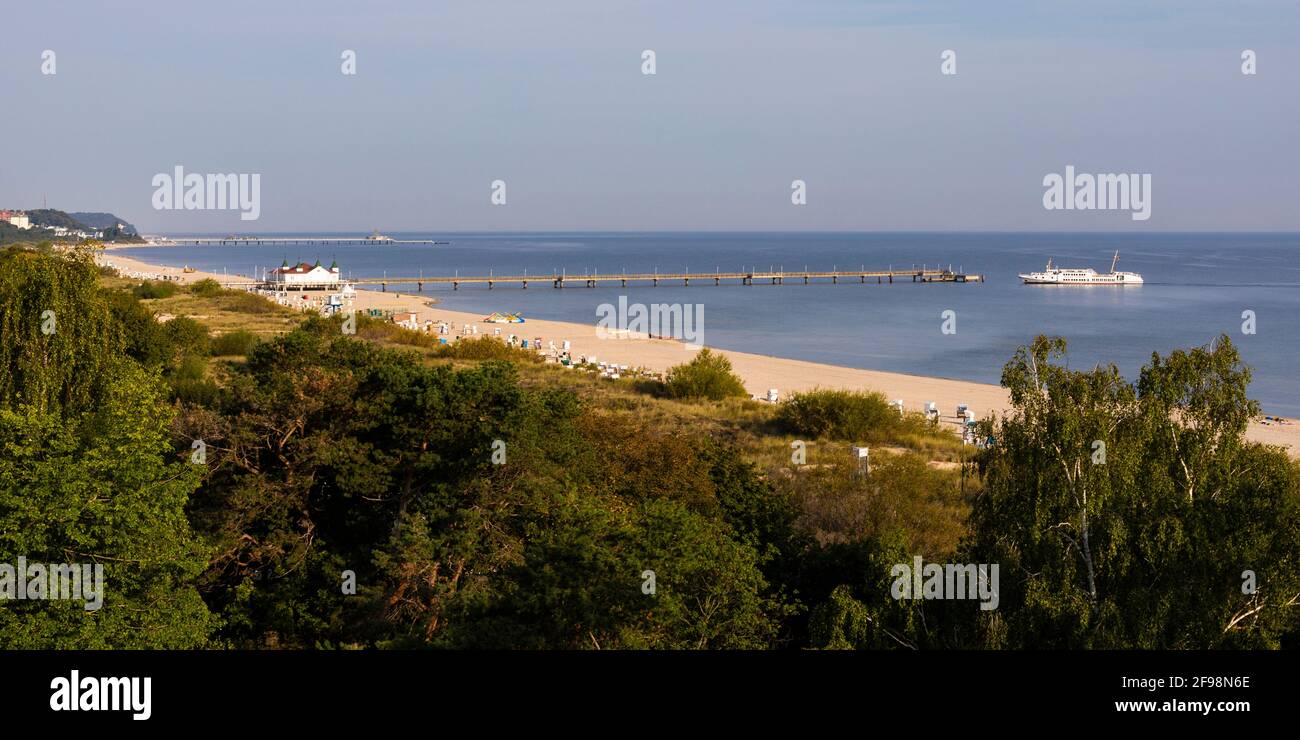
(1197, 287)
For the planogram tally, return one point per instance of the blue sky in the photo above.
(748, 96)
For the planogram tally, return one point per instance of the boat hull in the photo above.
(1035, 281)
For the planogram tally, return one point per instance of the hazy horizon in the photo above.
(747, 97)
(669, 230)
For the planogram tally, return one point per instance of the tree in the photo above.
(87, 471)
(1128, 516)
(57, 338)
(860, 613)
(474, 512)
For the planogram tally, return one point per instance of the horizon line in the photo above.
(724, 231)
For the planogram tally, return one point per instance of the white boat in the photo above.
(1081, 276)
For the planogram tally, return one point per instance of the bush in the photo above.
(206, 288)
(233, 343)
(369, 327)
(200, 392)
(187, 336)
(485, 348)
(145, 339)
(190, 382)
(192, 367)
(155, 289)
(240, 301)
(851, 416)
(708, 376)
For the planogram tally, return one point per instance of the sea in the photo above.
(1198, 286)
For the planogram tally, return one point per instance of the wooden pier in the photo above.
(299, 240)
(559, 280)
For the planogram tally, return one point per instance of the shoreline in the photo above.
(759, 372)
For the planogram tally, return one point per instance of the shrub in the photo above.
(708, 376)
(187, 336)
(146, 340)
(155, 289)
(369, 327)
(852, 416)
(485, 348)
(239, 301)
(200, 392)
(206, 288)
(238, 342)
(192, 367)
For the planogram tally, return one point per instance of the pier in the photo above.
(299, 240)
(560, 280)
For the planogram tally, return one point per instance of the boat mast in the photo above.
(1113, 261)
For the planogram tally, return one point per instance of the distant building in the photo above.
(407, 320)
(303, 275)
(16, 218)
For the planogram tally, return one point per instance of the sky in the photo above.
(747, 96)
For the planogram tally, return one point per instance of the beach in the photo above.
(760, 373)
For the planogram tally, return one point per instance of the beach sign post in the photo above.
(860, 454)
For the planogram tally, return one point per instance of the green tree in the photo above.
(87, 471)
(57, 339)
(1128, 516)
(334, 454)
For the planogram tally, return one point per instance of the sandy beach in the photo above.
(759, 372)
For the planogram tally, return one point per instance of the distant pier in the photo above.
(301, 240)
(560, 280)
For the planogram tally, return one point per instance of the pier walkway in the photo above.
(560, 280)
(273, 240)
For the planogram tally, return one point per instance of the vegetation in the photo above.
(102, 221)
(206, 288)
(708, 376)
(379, 490)
(233, 343)
(44, 220)
(154, 289)
(88, 471)
(1137, 515)
(850, 416)
(10, 234)
(51, 218)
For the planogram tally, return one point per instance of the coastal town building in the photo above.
(16, 218)
(304, 276)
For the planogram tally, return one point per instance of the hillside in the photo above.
(103, 221)
(50, 217)
(83, 222)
